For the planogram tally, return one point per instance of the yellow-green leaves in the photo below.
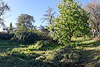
(72, 20)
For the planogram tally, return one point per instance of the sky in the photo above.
(36, 8)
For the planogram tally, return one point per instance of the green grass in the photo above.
(14, 54)
(90, 52)
(43, 52)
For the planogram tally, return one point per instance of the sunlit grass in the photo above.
(80, 39)
(11, 52)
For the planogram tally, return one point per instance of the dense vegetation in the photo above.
(67, 41)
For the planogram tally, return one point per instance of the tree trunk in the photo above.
(70, 36)
(93, 33)
(98, 33)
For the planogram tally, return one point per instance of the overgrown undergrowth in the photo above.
(47, 54)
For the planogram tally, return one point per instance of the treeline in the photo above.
(72, 21)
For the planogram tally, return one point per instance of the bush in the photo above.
(25, 37)
(44, 36)
(5, 36)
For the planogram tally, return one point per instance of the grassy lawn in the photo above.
(14, 54)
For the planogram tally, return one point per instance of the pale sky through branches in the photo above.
(35, 8)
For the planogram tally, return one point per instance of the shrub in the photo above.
(5, 36)
(44, 36)
(25, 37)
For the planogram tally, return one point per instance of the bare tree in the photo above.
(93, 8)
(49, 16)
(3, 9)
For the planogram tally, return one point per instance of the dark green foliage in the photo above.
(5, 36)
(25, 37)
(10, 28)
(45, 37)
(26, 21)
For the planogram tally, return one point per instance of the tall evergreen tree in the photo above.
(11, 27)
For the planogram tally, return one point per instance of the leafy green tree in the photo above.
(25, 21)
(49, 16)
(72, 20)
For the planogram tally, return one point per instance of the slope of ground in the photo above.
(90, 53)
(14, 54)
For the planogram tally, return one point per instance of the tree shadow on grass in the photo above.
(90, 58)
(91, 44)
(7, 45)
(23, 60)
(88, 44)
